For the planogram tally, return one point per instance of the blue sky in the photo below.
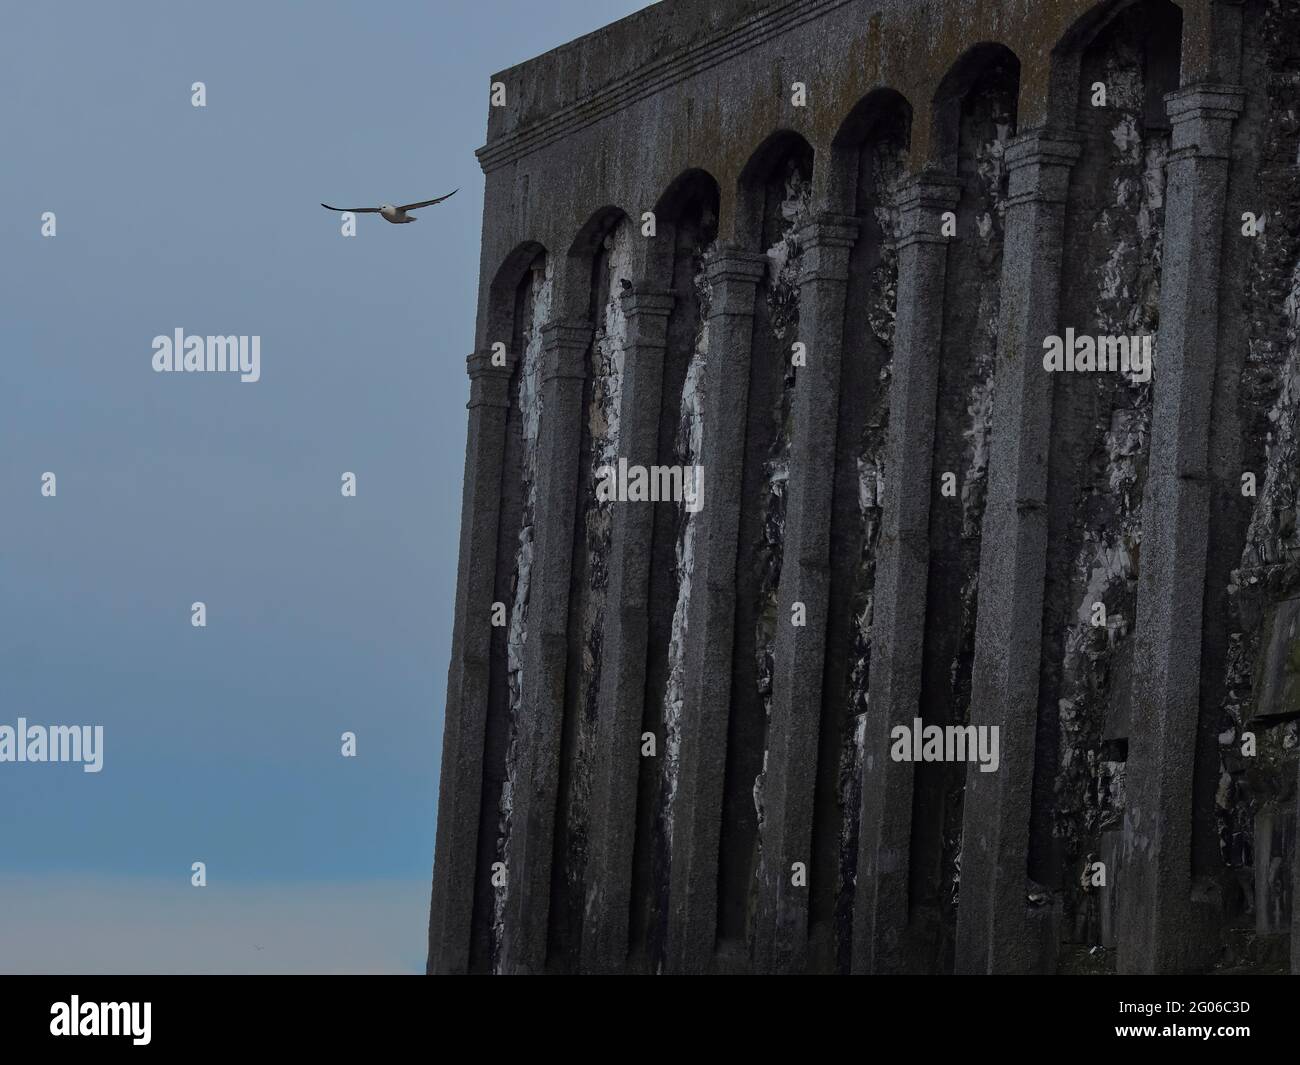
(325, 614)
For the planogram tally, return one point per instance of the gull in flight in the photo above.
(396, 215)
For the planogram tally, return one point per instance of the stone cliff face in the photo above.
(817, 249)
(1102, 424)
(1254, 795)
(532, 310)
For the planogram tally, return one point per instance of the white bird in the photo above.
(396, 215)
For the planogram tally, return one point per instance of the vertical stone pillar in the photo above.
(541, 712)
(880, 912)
(621, 697)
(1157, 927)
(460, 785)
(790, 772)
(706, 703)
(993, 932)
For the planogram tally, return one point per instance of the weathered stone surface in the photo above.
(1097, 576)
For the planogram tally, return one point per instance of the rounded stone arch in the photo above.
(979, 62)
(588, 239)
(576, 282)
(883, 111)
(504, 289)
(780, 149)
(688, 188)
(1067, 54)
(694, 199)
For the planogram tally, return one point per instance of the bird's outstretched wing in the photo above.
(428, 203)
(354, 210)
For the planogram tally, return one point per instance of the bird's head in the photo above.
(385, 206)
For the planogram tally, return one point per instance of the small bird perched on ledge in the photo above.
(396, 215)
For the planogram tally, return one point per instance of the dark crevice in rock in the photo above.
(681, 436)
(1097, 469)
(784, 197)
(870, 308)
